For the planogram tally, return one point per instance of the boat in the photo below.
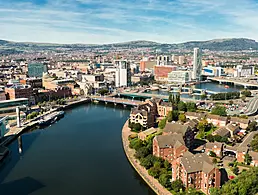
(51, 118)
(226, 86)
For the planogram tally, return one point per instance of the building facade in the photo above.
(20, 91)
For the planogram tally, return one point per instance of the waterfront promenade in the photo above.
(152, 182)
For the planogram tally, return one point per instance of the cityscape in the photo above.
(102, 114)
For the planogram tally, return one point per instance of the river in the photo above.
(80, 154)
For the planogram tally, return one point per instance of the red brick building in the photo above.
(196, 171)
(19, 91)
(161, 72)
(169, 147)
(215, 147)
(185, 130)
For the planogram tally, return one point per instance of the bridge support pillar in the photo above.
(105, 102)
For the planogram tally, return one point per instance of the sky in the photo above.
(112, 21)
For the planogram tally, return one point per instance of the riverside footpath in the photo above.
(152, 182)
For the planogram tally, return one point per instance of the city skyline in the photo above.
(98, 21)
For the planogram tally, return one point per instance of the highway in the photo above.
(252, 107)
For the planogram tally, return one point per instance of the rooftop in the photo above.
(197, 162)
(165, 141)
(176, 128)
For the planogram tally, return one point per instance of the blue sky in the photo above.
(110, 21)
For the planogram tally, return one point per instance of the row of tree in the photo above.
(225, 96)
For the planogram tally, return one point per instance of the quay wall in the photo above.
(152, 182)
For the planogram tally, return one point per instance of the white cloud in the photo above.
(101, 21)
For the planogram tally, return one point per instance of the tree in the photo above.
(154, 172)
(175, 115)
(204, 96)
(212, 154)
(164, 180)
(246, 93)
(231, 102)
(252, 126)
(142, 152)
(191, 107)
(146, 162)
(103, 91)
(177, 99)
(248, 159)
(170, 116)
(245, 183)
(182, 118)
(202, 125)
(181, 106)
(167, 165)
(254, 143)
(136, 144)
(171, 98)
(162, 123)
(219, 110)
(177, 185)
(235, 170)
(243, 98)
(210, 138)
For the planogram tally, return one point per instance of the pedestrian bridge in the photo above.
(115, 101)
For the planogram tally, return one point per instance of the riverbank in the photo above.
(15, 132)
(152, 182)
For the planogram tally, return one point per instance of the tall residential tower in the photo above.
(123, 73)
(197, 64)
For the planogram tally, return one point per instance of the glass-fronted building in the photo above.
(36, 69)
(8, 106)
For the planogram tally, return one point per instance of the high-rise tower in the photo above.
(197, 64)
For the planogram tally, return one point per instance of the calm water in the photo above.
(81, 154)
(212, 86)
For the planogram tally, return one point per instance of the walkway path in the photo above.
(152, 182)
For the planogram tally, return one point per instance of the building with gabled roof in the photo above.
(196, 171)
(185, 130)
(169, 147)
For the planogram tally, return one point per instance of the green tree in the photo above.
(204, 96)
(212, 154)
(154, 172)
(147, 162)
(142, 152)
(191, 107)
(182, 117)
(164, 180)
(210, 138)
(235, 170)
(167, 165)
(245, 183)
(202, 125)
(246, 93)
(170, 116)
(171, 98)
(248, 159)
(252, 126)
(243, 98)
(177, 185)
(254, 143)
(181, 106)
(103, 91)
(175, 115)
(219, 110)
(136, 143)
(162, 123)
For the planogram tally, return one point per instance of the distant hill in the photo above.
(235, 44)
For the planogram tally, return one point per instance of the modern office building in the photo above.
(213, 71)
(163, 60)
(197, 64)
(180, 77)
(244, 71)
(123, 73)
(9, 106)
(36, 69)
